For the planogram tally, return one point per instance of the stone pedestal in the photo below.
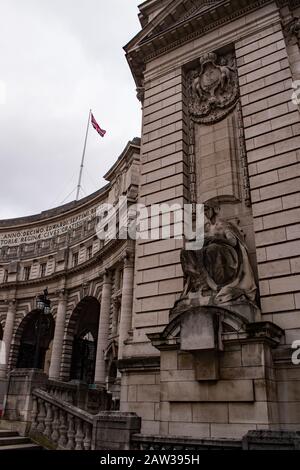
(209, 392)
(113, 430)
(18, 400)
(200, 330)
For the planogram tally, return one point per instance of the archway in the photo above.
(32, 351)
(84, 323)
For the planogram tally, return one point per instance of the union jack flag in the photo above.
(96, 126)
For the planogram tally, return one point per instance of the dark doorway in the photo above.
(28, 342)
(84, 358)
(85, 341)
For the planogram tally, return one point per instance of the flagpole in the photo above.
(83, 155)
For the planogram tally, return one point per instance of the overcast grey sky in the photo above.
(58, 58)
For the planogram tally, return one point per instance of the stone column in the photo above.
(8, 334)
(103, 330)
(116, 302)
(116, 307)
(126, 304)
(58, 339)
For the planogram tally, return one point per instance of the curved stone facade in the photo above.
(60, 249)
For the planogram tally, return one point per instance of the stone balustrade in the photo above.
(62, 425)
(80, 395)
(253, 440)
(57, 424)
(62, 390)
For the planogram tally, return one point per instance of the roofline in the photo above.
(55, 212)
(131, 145)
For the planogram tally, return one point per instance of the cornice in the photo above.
(51, 215)
(176, 35)
(126, 157)
(139, 363)
(206, 29)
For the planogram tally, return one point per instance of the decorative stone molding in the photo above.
(213, 93)
(243, 157)
(107, 277)
(174, 31)
(84, 291)
(212, 88)
(148, 363)
(128, 259)
(116, 300)
(171, 337)
(292, 30)
(192, 165)
(118, 185)
(62, 294)
(140, 94)
(267, 330)
(271, 440)
(10, 302)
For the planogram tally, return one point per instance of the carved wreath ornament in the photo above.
(212, 88)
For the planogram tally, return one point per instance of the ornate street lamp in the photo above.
(43, 304)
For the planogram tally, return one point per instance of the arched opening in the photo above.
(35, 333)
(84, 321)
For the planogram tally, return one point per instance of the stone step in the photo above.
(15, 440)
(11, 440)
(14, 447)
(6, 433)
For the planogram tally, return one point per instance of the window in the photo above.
(5, 276)
(43, 269)
(89, 252)
(75, 259)
(26, 273)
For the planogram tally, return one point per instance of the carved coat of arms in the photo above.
(213, 88)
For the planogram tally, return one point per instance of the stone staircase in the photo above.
(11, 440)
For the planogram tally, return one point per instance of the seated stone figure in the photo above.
(220, 273)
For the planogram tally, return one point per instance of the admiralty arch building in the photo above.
(123, 343)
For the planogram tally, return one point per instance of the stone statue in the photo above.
(220, 273)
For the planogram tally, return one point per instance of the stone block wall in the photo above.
(288, 391)
(140, 394)
(249, 394)
(243, 399)
(164, 164)
(217, 170)
(164, 179)
(272, 133)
